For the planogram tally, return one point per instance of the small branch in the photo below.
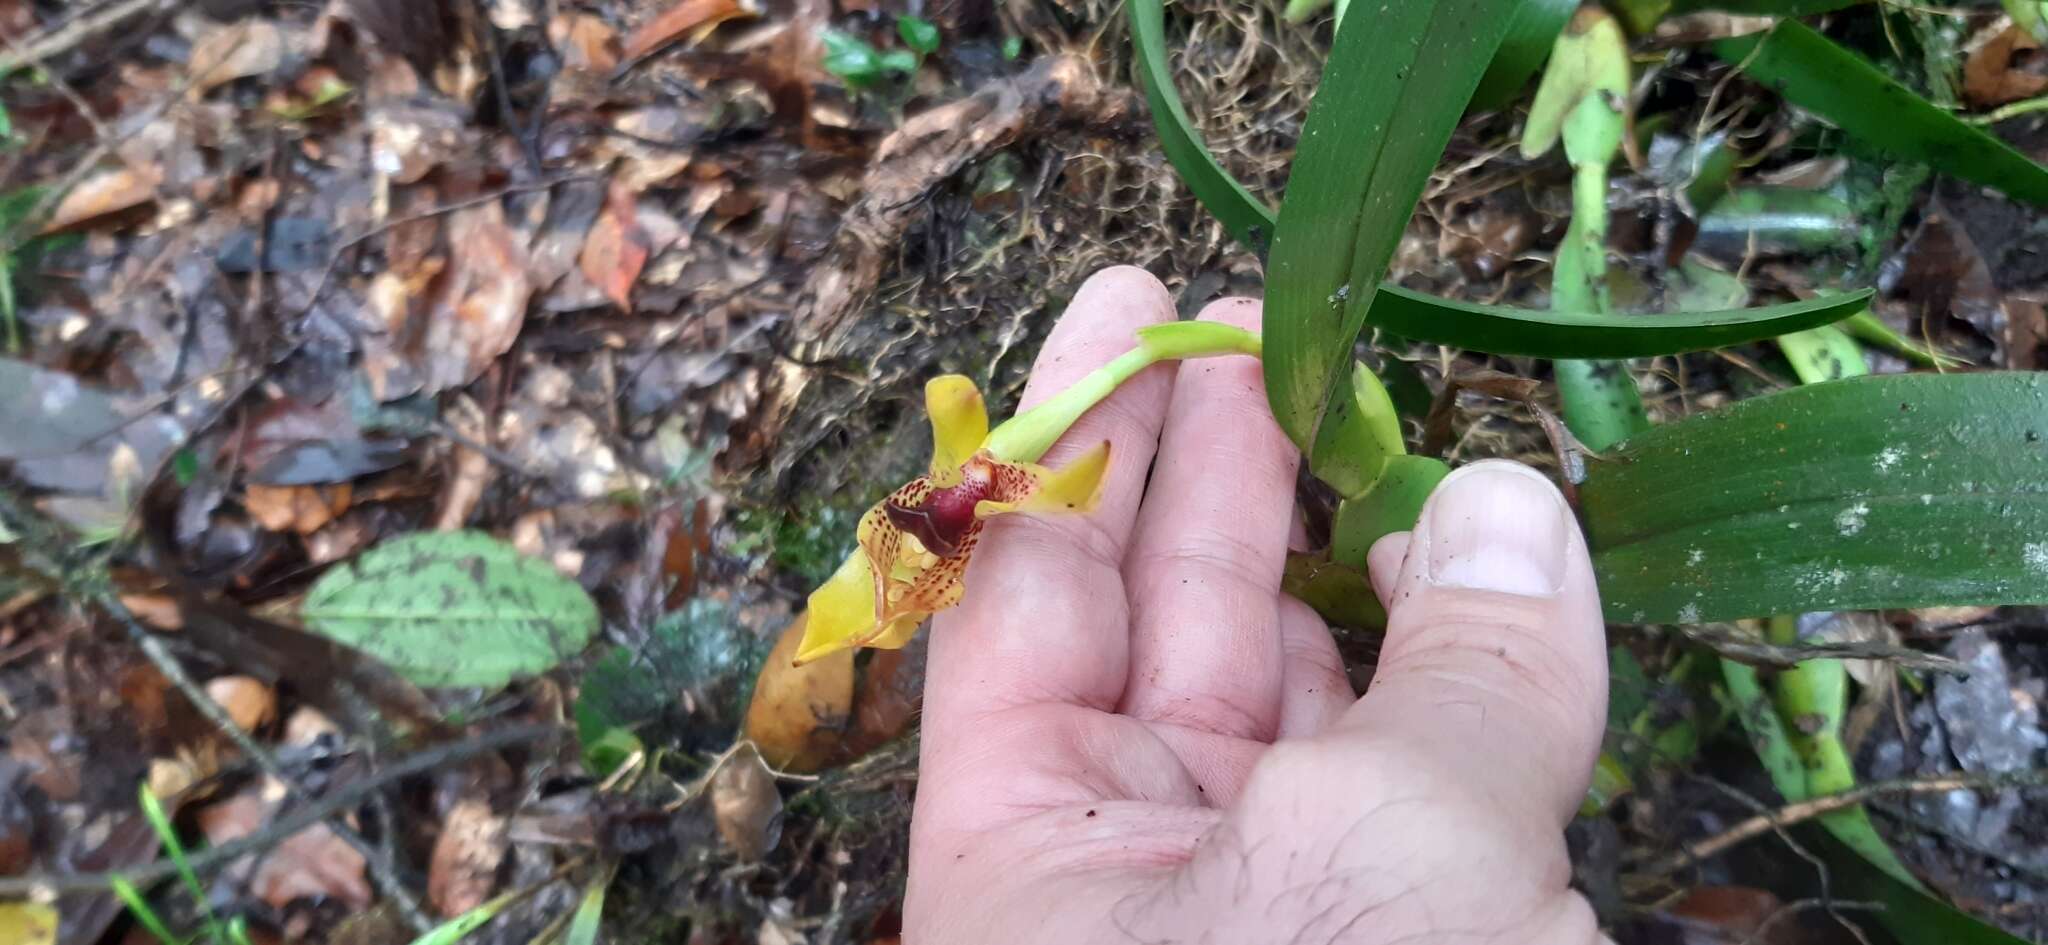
(381, 871)
(316, 810)
(67, 37)
(1828, 803)
(1732, 644)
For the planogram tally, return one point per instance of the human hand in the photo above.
(1132, 736)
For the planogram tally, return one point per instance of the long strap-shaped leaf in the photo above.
(1390, 96)
(1911, 490)
(1500, 329)
(1422, 317)
(1816, 74)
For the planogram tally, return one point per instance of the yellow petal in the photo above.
(959, 424)
(1075, 487)
(898, 634)
(842, 610)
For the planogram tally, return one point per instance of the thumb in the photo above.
(1495, 660)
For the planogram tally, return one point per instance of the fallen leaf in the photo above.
(1997, 72)
(746, 805)
(891, 691)
(683, 17)
(105, 192)
(28, 923)
(299, 509)
(585, 41)
(160, 611)
(463, 871)
(248, 701)
(616, 249)
(1727, 915)
(234, 51)
(798, 713)
(292, 442)
(310, 864)
(482, 300)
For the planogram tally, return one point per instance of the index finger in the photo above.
(1043, 619)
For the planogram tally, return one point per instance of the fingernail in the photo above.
(1498, 526)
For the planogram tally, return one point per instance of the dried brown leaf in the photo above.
(1998, 71)
(311, 864)
(745, 804)
(685, 16)
(799, 712)
(616, 249)
(299, 509)
(233, 51)
(463, 871)
(105, 192)
(586, 42)
(248, 700)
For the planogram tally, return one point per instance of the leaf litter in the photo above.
(623, 298)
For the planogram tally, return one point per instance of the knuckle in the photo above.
(1517, 660)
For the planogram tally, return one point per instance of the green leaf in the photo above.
(899, 60)
(919, 34)
(6, 123)
(1766, 7)
(1498, 329)
(1247, 218)
(1821, 354)
(1013, 46)
(851, 58)
(1778, 220)
(1535, 26)
(1811, 71)
(1340, 593)
(1899, 491)
(2029, 15)
(453, 609)
(458, 928)
(1388, 101)
(1361, 439)
(583, 927)
(1911, 915)
(1391, 505)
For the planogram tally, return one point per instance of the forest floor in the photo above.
(647, 290)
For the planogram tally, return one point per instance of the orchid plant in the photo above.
(915, 544)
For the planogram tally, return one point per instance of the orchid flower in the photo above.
(915, 544)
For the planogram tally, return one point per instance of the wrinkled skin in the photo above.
(1132, 736)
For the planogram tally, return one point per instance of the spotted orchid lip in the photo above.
(943, 519)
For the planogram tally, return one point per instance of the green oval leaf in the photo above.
(1498, 329)
(1897, 491)
(1814, 73)
(453, 609)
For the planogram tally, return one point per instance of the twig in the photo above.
(1829, 803)
(316, 810)
(380, 871)
(64, 38)
(334, 258)
(1796, 906)
(105, 140)
(1732, 644)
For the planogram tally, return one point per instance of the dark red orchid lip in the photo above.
(942, 521)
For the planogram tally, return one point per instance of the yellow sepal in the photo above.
(959, 424)
(1074, 487)
(842, 611)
